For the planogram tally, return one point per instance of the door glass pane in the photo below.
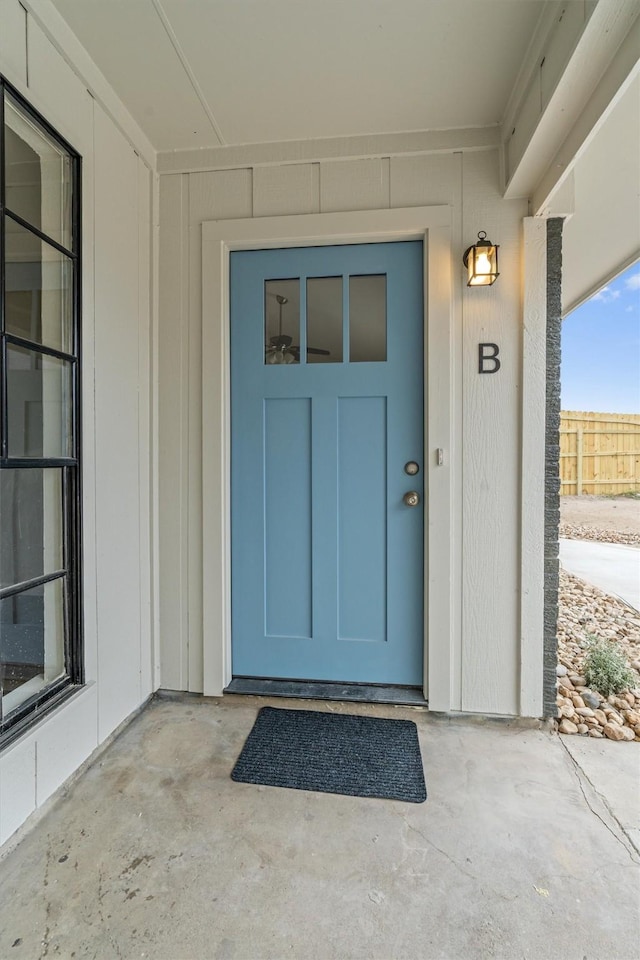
(324, 320)
(282, 321)
(30, 524)
(38, 298)
(38, 175)
(368, 318)
(31, 642)
(39, 404)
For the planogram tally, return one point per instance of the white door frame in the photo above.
(442, 365)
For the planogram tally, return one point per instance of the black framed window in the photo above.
(40, 479)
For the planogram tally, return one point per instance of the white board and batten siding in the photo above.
(116, 324)
(490, 450)
(481, 670)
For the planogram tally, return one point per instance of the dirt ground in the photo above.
(620, 514)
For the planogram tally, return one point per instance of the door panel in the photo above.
(362, 518)
(327, 560)
(287, 535)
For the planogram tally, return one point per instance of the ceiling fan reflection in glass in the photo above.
(282, 322)
(279, 348)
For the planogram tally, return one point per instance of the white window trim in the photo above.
(442, 419)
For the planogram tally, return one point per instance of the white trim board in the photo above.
(533, 414)
(327, 149)
(442, 552)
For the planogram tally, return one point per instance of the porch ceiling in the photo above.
(203, 73)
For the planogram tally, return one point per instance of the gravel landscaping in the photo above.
(584, 612)
(575, 531)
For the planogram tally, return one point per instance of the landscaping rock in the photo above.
(566, 726)
(611, 730)
(591, 699)
(585, 711)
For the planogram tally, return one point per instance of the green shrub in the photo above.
(605, 668)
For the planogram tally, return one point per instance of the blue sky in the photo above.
(601, 349)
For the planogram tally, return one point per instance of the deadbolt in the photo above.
(411, 498)
(412, 468)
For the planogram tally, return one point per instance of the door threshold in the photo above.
(321, 690)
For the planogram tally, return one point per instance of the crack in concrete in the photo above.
(626, 843)
(452, 860)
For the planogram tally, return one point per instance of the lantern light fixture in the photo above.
(481, 261)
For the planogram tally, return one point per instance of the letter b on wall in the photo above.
(488, 358)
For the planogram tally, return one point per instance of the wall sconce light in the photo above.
(481, 260)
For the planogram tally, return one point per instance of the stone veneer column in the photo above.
(552, 463)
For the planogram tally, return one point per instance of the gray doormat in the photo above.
(333, 753)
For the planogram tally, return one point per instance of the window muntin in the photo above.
(40, 481)
(340, 319)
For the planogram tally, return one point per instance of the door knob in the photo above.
(411, 498)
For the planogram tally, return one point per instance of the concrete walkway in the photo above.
(155, 852)
(613, 567)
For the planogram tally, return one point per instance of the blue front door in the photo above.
(327, 401)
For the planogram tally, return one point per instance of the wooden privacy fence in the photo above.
(599, 452)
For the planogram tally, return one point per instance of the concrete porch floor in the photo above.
(155, 852)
